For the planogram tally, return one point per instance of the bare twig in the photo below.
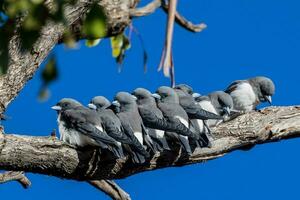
(111, 189)
(166, 59)
(146, 10)
(15, 176)
(179, 19)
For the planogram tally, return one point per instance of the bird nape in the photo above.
(141, 124)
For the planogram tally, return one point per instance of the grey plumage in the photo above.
(152, 117)
(112, 125)
(80, 126)
(175, 114)
(131, 119)
(247, 94)
(195, 112)
(217, 102)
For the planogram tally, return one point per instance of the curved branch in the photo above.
(183, 22)
(111, 189)
(52, 157)
(15, 176)
(146, 10)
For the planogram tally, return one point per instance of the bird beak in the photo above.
(156, 96)
(57, 108)
(134, 97)
(268, 99)
(227, 110)
(116, 103)
(196, 95)
(92, 106)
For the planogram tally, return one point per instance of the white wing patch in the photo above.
(243, 97)
(182, 120)
(208, 106)
(99, 127)
(139, 136)
(156, 133)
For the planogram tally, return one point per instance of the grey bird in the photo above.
(219, 103)
(247, 94)
(168, 103)
(152, 117)
(194, 111)
(131, 119)
(112, 125)
(80, 127)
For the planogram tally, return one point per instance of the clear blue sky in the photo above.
(244, 38)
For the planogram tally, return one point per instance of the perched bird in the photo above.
(81, 127)
(247, 94)
(112, 125)
(152, 117)
(217, 102)
(131, 119)
(187, 101)
(168, 103)
(194, 111)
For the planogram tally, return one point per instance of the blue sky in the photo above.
(244, 38)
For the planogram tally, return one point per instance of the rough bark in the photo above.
(15, 176)
(52, 157)
(22, 65)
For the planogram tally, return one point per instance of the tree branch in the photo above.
(23, 65)
(15, 176)
(111, 189)
(179, 19)
(52, 157)
(146, 10)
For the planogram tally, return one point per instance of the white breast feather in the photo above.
(243, 97)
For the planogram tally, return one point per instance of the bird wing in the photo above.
(135, 144)
(233, 86)
(77, 120)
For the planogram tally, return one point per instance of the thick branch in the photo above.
(22, 65)
(111, 189)
(52, 157)
(15, 176)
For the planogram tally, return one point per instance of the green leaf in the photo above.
(94, 25)
(116, 45)
(92, 43)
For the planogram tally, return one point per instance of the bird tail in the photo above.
(117, 151)
(185, 143)
(137, 158)
(205, 115)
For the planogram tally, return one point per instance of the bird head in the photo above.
(99, 102)
(264, 87)
(65, 104)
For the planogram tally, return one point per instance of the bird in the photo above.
(248, 94)
(194, 111)
(80, 127)
(217, 102)
(131, 119)
(168, 103)
(112, 125)
(152, 117)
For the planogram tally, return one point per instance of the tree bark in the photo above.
(23, 65)
(52, 157)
